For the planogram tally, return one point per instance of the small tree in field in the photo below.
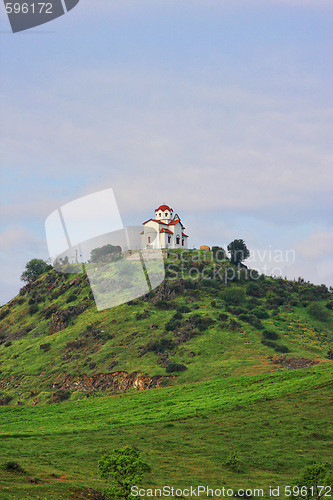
(238, 251)
(33, 269)
(125, 468)
(311, 483)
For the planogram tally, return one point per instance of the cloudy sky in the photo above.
(220, 108)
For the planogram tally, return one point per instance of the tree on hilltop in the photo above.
(33, 269)
(238, 251)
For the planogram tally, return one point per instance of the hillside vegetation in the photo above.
(235, 363)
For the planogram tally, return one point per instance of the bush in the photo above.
(160, 345)
(172, 325)
(71, 298)
(33, 309)
(184, 309)
(45, 347)
(177, 315)
(270, 334)
(234, 296)
(175, 367)
(13, 467)
(255, 290)
(318, 311)
(281, 348)
(60, 395)
(260, 313)
(233, 462)
(5, 399)
(4, 313)
(269, 343)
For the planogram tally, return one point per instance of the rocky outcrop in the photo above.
(58, 322)
(115, 382)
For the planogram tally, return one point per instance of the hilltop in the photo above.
(200, 324)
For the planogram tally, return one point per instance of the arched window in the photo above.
(178, 240)
(169, 239)
(148, 239)
(183, 242)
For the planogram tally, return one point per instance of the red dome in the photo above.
(163, 208)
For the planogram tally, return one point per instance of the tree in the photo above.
(104, 253)
(238, 251)
(313, 480)
(33, 269)
(125, 468)
(318, 311)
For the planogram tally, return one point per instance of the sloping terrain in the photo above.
(200, 371)
(189, 329)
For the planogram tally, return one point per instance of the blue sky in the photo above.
(222, 109)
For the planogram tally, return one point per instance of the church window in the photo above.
(148, 239)
(177, 240)
(169, 239)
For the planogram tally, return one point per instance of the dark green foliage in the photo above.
(175, 367)
(260, 313)
(8, 343)
(60, 395)
(177, 315)
(234, 462)
(222, 317)
(124, 468)
(330, 354)
(4, 313)
(234, 295)
(219, 253)
(238, 251)
(71, 298)
(269, 343)
(45, 347)
(172, 325)
(143, 315)
(313, 475)
(164, 305)
(184, 309)
(270, 334)
(318, 311)
(252, 320)
(329, 305)
(33, 269)
(12, 466)
(160, 345)
(5, 399)
(281, 348)
(33, 309)
(105, 253)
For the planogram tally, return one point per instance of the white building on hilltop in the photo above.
(165, 231)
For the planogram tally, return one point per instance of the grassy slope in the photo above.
(278, 422)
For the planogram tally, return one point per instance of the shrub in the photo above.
(329, 305)
(260, 313)
(330, 354)
(175, 367)
(45, 347)
(172, 325)
(4, 313)
(71, 298)
(281, 348)
(233, 462)
(255, 290)
(222, 316)
(33, 309)
(184, 309)
(5, 399)
(160, 345)
(177, 315)
(234, 296)
(13, 467)
(318, 311)
(60, 395)
(269, 343)
(270, 334)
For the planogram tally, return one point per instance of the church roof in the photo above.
(173, 222)
(163, 208)
(166, 231)
(186, 236)
(154, 220)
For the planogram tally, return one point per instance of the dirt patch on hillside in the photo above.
(292, 363)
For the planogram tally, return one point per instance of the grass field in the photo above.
(277, 423)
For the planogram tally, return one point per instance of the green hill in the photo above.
(212, 351)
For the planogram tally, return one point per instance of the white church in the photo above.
(165, 231)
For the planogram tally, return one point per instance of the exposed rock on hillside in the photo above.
(116, 381)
